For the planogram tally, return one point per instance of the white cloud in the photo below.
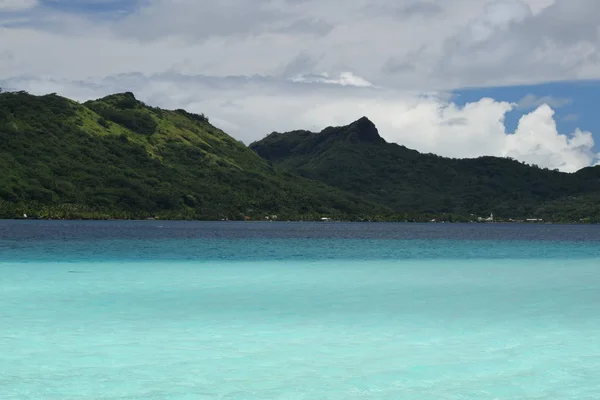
(250, 108)
(409, 44)
(537, 141)
(497, 16)
(344, 79)
(17, 5)
(536, 6)
(255, 66)
(507, 43)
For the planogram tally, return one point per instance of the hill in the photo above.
(118, 158)
(357, 159)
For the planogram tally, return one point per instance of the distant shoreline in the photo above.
(502, 222)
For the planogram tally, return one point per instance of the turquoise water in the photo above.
(298, 311)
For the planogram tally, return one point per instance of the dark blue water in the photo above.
(84, 230)
(243, 241)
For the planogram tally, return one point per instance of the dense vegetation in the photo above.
(418, 186)
(118, 158)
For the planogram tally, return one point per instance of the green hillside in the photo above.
(356, 159)
(118, 158)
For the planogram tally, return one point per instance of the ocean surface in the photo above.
(298, 311)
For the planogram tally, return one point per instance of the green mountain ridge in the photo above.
(355, 158)
(118, 158)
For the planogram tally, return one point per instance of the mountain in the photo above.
(118, 158)
(355, 158)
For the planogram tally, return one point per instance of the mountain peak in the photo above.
(365, 130)
(119, 96)
(123, 100)
(363, 120)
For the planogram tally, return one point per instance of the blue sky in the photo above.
(575, 102)
(257, 66)
(92, 8)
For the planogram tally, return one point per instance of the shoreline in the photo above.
(502, 222)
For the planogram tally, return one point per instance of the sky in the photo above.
(458, 78)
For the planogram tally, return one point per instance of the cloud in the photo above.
(262, 65)
(17, 5)
(344, 79)
(427, 122)
(537, 141)
(405, 10)
(421, 8)
(570, 117)
(532, 101)
(508, 40)
(474, 43)
(478, 128)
